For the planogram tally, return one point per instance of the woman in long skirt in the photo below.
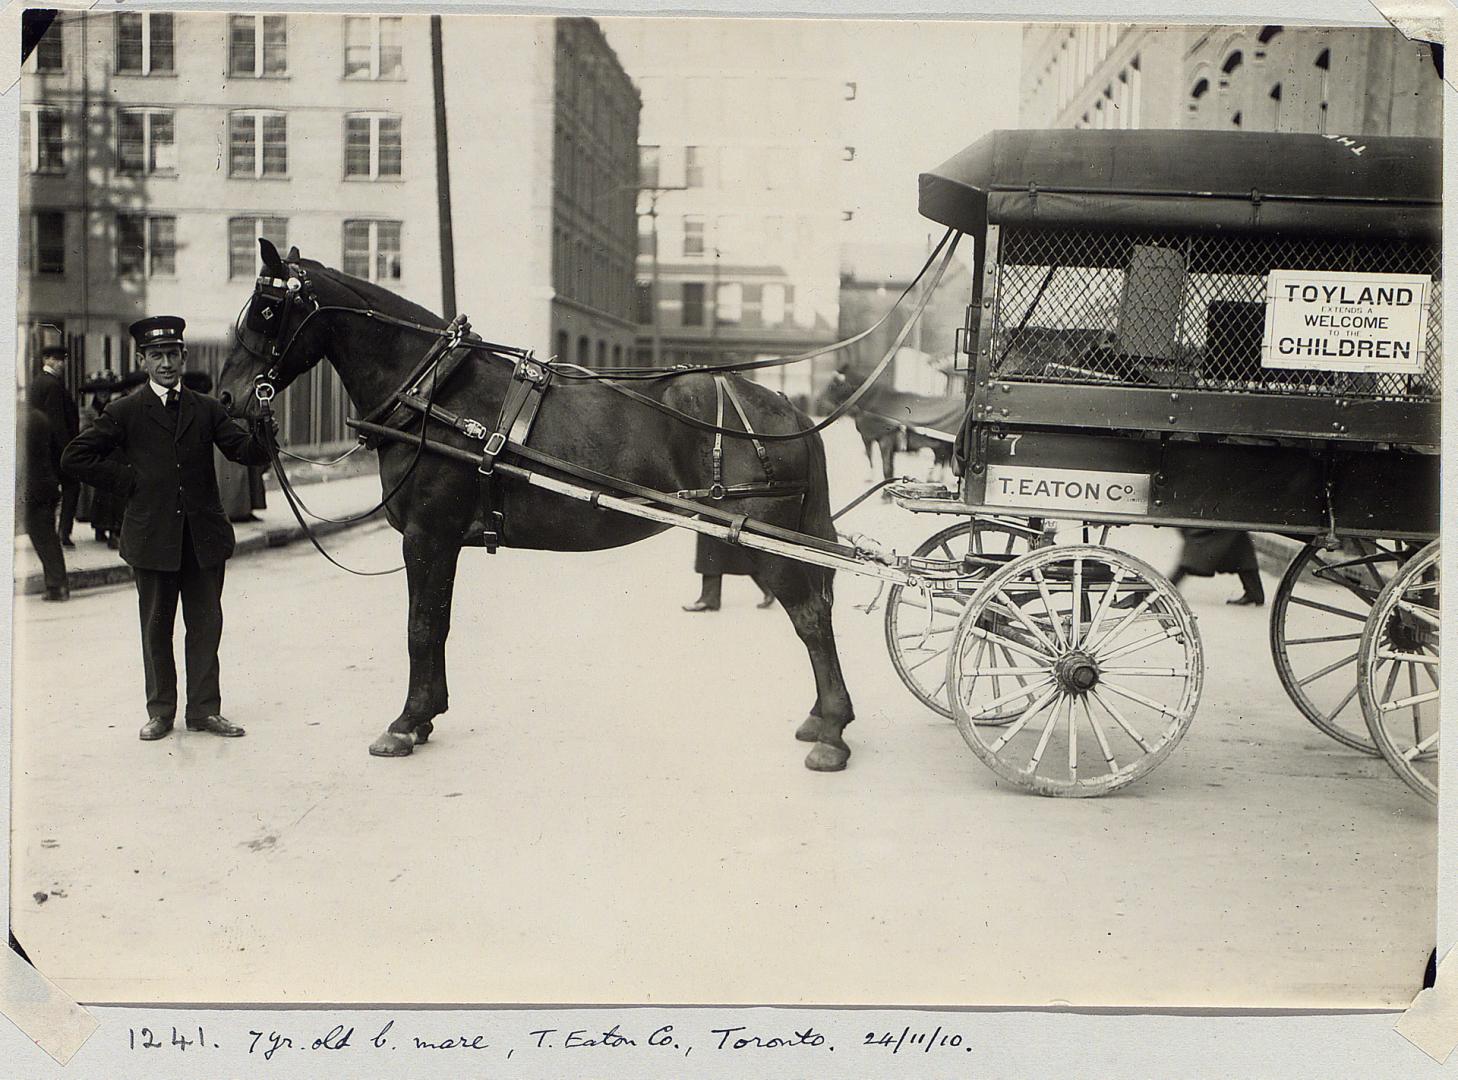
(1208, 552)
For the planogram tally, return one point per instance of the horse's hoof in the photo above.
(422, 733)
(827, 758)
(809, 729)
(391, 744)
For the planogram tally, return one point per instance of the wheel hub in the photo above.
(1076, 672)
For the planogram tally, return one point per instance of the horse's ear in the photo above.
(271, 262)
(293, 255)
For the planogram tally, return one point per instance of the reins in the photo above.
(456, 336)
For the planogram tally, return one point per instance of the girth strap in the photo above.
(529, 382)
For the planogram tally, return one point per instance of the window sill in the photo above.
(374, 179)
(146, 175)
(263, 179)
(372, 79)
(248, 76)
(144, 74)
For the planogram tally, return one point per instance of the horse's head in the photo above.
(276, 338)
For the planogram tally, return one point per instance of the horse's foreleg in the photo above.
(430, 568)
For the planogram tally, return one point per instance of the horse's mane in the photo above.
(377, 297)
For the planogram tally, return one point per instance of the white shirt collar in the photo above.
(160, 390)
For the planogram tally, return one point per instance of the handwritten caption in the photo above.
(507, 1043)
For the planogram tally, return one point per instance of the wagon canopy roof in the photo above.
(1239, 181)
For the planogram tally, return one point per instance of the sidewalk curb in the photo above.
(1274, 553)
(118, 572)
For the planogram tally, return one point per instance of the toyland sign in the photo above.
(1328, 321)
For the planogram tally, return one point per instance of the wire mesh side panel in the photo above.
(1182, 311)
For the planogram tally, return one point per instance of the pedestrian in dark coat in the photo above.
(49, 394)
(1208, 552)
(174, 533)
(713, 559)
(37, 491)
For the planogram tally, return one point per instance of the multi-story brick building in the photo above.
(1347, 80)
(157, 147)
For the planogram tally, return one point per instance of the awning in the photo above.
(1238, 181)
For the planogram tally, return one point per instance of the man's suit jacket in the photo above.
(166, 472)
(49, 394)
(37, 480)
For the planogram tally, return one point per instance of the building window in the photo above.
(584, 351)
(43, 138)
(48, 242)
(372, 146)
(1232, 63)
(373, 47)
(144, 142)
(1276, 107)
(1323, 64)
(146, 246)
(143, 43)
(48, 53)
(1235, 120)
(643, 295)
(693, 166)
(693, 303)
(563, 344)
(372, 250)
(772, 305)
(257, 45)
(693, 236)
(729, 303)
(648, 166)
(258, 144)
(243, 234)
(1267, 33)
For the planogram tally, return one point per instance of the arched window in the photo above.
(1233, 61)
(1235, 120)
(562, 345)
(1323, 59)
(1200, 89)
(584, 351)
(1276, 107)
(1267, 33)
(1323, 65)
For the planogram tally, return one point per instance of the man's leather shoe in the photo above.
(217, 725)
(156, 727)
(700, 605)
(1246, 600)
(66, 541)
(57, 594)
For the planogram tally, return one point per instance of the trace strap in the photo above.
(529, 382)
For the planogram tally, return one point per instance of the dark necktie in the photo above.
(172, 400)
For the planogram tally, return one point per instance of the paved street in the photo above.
(615, 809)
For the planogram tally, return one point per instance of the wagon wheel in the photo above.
(1398, 672)
(1102, 693)
(918, 650)
(1316, 622)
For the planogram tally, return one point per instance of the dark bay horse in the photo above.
(887, 421)
(437, 508)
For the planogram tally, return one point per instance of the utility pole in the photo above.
(714, 313)
(653, 191)
(443, 175)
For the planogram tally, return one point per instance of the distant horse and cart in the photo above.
(1129, 362)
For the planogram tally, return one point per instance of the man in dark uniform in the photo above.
(37, 490)
(174, 534)
(48, 393)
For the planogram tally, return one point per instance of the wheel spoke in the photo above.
(1024, 692)
(1017, 613)
(918, 634)
(1343, 612)
(1046, 735)
(1344, 702)
(1109, 595)
(1076, 602)
(1098, 730)
(927, 659)
(1113, 711)
(1008, 659)
(1027, 714)
(1116, 631)
(1421, 748)
(1409, 702)
(1011, 645)
(1055, 623)
(1161, 672)
(1323, 640)
(1138, 698)
(1416, 659)
(1072, 743)
(1419, 612)
(1163, 635)
(1333, 666)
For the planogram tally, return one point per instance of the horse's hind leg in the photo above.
(430, 567)
(805, 592)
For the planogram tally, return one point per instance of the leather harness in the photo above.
(530, 380)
